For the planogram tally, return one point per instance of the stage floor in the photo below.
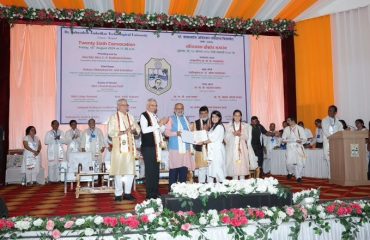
(50, 200)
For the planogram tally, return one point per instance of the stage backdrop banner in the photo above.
(99, 66)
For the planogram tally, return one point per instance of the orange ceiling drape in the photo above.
(129, 6)
(295, 8)
(68, 4)
(314, 69)
(182, 7)
(18, 3)
(244, 8)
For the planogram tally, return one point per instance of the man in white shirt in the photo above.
(54, 139)
(92, 140)
(317, 140)
(330, 125)
(270, 142)
(72, 138)
(308, 133)
(151, 146)
(294, 136)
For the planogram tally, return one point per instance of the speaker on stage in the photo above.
(3, 209)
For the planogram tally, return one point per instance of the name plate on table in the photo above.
(256, 200)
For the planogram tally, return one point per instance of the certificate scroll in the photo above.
(194, 137)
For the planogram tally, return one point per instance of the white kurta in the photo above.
(295, 151)
(31, 163)
(55, 153)
(318, 138)
(92, 140)
(124, 149)
(73, 140)
(329, 127)
(238, 149)
(216, 153)
(269, 143)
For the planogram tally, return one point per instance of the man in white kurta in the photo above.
(270, 142)
(330, 125)
(294, 136)
(73, 138)
(54, 139)
(121, 129)
(92, 141)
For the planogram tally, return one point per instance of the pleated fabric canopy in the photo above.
(259, 9)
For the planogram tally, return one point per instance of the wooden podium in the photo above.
(348, 158)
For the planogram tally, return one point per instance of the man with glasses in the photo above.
(122, 129)
(151, 146)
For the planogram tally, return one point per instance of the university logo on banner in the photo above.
(158, 78)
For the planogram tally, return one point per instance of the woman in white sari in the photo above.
(216, 148)
(238, 147)
(31, 155)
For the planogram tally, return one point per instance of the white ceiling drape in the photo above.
(40, 3)
(351, 63)
(157, 6)
(271, 9)
(212, 8)
(101, 5)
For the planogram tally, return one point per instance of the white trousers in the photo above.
(119, 180)
(326, 149)
(31, 175)
(54, 173)
(295, 169)
(203, 175)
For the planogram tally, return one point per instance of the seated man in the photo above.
(308, 133)
(317, 141)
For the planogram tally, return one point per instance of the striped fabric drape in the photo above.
(259, 9)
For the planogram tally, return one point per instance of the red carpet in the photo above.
(50, 200)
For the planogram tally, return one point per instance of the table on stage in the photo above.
(315, 165)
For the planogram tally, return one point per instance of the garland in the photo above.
(157, 22)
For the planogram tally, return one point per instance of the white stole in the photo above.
(158, 139)
(204, 146)
(181, 144)
(127, 140)
(237, 144)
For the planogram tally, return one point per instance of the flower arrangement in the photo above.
(248, 223)
(157, 22)
(306, 197)
(228, 187)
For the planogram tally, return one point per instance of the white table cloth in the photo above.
(315, 165)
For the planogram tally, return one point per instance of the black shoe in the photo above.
(118, 198)
(289, 176)
(299, 180)
(129, 197)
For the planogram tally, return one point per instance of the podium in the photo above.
(348, 158)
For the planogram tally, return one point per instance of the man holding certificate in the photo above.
(180, 160)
